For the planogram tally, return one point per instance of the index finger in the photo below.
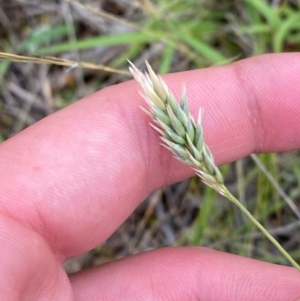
(75, 176)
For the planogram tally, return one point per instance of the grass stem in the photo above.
(233, 199)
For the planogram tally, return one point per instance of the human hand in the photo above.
(70, 180)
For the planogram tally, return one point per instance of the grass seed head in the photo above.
(179, 132)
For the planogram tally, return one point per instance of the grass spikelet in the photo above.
(181, 135)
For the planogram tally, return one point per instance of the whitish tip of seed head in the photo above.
(157, 129)
(139, 76)
(183, 92)
(134, 70)
(200, 115)
(148, 100)
(157, 82)
(148, 85)
(146, 111)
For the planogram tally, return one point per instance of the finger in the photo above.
(29, 271)
(75, 176)
(187, 274)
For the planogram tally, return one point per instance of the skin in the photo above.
(70, 180)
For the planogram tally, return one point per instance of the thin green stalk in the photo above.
(234, 200)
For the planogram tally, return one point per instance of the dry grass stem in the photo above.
(59, 62)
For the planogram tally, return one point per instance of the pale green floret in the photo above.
(170, 100)
(179, 150)
(175, 137)
(208, 163)
(219, 177)
(188, 125)
(161, 115)
(208, 154)
(184, 107)
(182, 117)
(198, 140)
(157, 83)
(177, 125)
(207, 178)
(195, 152)
(195, 162)
(211, 181)
(190, 131)
(162, 125)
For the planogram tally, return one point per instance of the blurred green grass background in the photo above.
(173, 35)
